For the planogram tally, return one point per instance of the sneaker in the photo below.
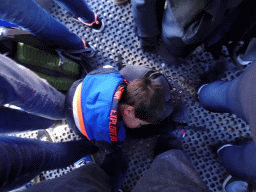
(234, 50)
(83, 161)
(97, 25)
(249, 54)
(215, 148)
(87, 52)
(233, 184)
(120, 2)
(177, 134)
(214, 72)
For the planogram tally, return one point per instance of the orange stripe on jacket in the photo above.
(79, 112)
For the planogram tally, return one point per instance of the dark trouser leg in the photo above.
(30, 16)
(22, 159)
(239, 161)
(21, 87)
(80, 9)
(12, 120)
(145, 17)
(222, 97)
(171, 171)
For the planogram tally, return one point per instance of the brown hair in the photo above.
(148, 99)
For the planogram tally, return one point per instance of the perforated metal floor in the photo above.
(118, 38)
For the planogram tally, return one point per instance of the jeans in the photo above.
(22, 159)
(222, 97)
(30, 16)
(239, 161)
(145, 10)
(238, 97)
(21, 87)
(151, 19)
(170, 171)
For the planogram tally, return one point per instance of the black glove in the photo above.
(115, 166)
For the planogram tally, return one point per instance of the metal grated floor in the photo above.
(118, 38)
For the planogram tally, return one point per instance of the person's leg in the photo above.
(30, 16)
(239, 161)
(83, 13)
(222, 97)
(22, 159)
(89, 177)
(23, 88)
(12, 120)
(146, 25)
(79, 9)
(145, 17)
(172, 32)
(173, 171)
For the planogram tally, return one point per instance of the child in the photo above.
(104, 103)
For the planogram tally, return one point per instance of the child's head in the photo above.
(143, 102)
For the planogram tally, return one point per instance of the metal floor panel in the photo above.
(118, 38)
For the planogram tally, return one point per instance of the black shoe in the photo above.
(97, 25)
(238, 141)
(234, 50)
(149, 44)
(214, 73)
(87, 52)
(221, 144)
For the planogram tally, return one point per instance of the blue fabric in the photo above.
(121, 133)
(79, 9)
(22, 159)
(21, 87)
(6, 24)
(221, 96)
(30, 16)
(174, 31)
(239, 97)
(239, 161)
(96, 98)
(145, 10)
(12, 120)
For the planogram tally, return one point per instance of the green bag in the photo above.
(41, 58)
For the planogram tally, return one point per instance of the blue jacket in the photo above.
(100, 94)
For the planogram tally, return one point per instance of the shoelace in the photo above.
(90, 24)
